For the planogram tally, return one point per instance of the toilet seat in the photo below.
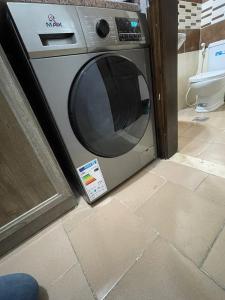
(207, 76)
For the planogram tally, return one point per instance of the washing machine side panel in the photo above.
(56, 86)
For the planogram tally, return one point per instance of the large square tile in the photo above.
(46, 256)
(214, 264)
(163, 273)
(187, 115)
(212, 188)
(220, 137)
(183, 126)
(191, 223)
(201, 133)
(214, 153)
(216, 121)
(136, 191)
(180, 174)
(108, 243)
(77, 215)
(191, 147)
(71, 286)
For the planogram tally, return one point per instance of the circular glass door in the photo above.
(109, 106)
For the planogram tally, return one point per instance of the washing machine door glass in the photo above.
(109, 106)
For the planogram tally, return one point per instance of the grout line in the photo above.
(179, 250)
(133, 211)
(212, 244)
(78, 261)
(211, 278)
(199, 267)
(199, 164)
(135, 262)
(63, 274)
(191, 261)
(195, 189)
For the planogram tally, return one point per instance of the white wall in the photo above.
(143, 5)
(187, 66)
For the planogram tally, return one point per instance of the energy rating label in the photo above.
(92, 179)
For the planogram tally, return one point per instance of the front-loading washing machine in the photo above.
(91, 72)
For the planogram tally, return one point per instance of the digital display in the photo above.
(134, 24)
(127, 25)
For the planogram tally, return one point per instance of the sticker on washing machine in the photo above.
(92, 179)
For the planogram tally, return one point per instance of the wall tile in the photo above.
(213, 11)
(213, 33)
(189, 15)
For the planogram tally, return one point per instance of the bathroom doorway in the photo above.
(201, 85)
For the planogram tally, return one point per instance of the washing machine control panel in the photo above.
(112, 29)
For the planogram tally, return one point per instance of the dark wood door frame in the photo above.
(163, 27)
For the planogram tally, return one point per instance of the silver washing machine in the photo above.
(92, 68)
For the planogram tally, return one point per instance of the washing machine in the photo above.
(91, 73)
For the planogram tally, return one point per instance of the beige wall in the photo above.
(187, 66)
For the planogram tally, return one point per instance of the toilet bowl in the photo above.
(209, 88)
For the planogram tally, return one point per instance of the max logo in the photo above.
(219, 53)
(52, 22)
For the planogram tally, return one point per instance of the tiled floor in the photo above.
(203, 139)
(159, 236)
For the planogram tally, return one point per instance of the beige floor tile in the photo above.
(71, 286)
(77, 215)
(220, 137)
(139, 189)
(164, 274)
(214, 264)
(216, 122)
(206, 166)
(85, 210)
(108, 243)
(187, 115)
(183, 142)
(183, 126)
(214, 153)
(188, 221)
(192, 147)
(45, 257)
(201, 133)
(212, 188)
(180, 174)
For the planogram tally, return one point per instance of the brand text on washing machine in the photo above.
(52, 22)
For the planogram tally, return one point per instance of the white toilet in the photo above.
(209, 87)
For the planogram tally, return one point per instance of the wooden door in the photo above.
(33, 190)
(163, 27)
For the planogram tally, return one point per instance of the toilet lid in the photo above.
(206, 76)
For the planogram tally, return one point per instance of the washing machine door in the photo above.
(109, 105)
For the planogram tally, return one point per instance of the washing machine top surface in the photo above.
(55, 30)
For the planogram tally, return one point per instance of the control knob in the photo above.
(102, 28)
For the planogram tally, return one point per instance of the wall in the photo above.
(187, 66)
(143, 5)
(213, 21)
(189, 21)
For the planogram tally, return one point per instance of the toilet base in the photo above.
(208, 104)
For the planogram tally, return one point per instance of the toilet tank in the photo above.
(216, 56)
